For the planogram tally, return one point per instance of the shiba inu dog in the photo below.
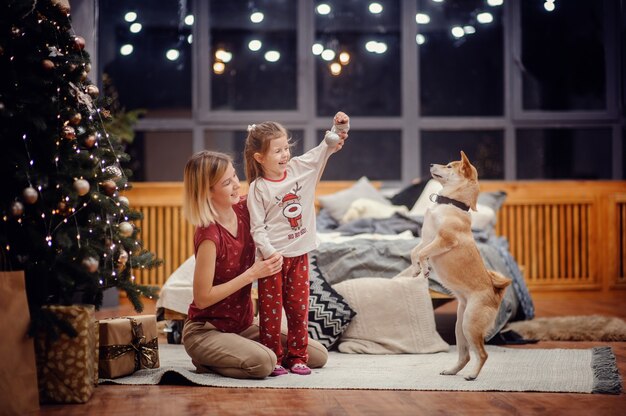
(448, 247)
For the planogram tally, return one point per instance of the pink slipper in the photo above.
(279, 370)
(301, 369)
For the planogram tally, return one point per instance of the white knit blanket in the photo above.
(508, 369)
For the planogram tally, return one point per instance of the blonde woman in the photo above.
(220, 334)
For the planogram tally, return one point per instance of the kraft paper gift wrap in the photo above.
(128, 344)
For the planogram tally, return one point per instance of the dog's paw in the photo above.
(448, 373)
(470, 378)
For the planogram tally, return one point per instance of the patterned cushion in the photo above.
(329, 314)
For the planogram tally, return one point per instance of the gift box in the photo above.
(128, 344)
(67, 367)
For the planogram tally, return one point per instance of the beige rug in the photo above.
(508, 369)
(572, 328)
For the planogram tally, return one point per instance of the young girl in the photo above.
(220, 334)
(282, 222)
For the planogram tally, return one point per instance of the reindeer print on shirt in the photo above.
(292, 209)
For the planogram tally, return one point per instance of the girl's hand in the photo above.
(341, 118)
(268, 267)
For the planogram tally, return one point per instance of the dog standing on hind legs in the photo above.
(448, 247)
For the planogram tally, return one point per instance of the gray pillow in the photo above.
(338, 203)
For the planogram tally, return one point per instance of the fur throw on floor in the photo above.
(572, 328)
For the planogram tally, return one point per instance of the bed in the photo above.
(367, 233)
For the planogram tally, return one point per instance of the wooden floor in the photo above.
(195, 400)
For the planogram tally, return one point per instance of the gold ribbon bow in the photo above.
(146, 352)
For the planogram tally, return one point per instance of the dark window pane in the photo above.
(372, 153)
(484, 148)
(563, 59)
(369, 83)
(148, 55)
(564, 153)
(233, 144)
(461, 61)
(247, 79)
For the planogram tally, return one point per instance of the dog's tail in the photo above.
(499, 282)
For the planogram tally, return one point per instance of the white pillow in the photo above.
(423, 202)
(177, 292)
(482, 219)
(393, 316)
(338, 203)
(368, 208)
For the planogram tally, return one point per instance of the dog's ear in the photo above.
(467, 169)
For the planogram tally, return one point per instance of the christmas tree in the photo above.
(64, 219)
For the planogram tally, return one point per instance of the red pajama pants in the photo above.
(288, 288)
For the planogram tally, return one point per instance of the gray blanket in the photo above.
(387, 258)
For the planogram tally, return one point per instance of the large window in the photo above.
(253, 55)
(145, 49)
(529, 89)
(461, 65)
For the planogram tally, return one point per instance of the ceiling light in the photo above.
(549, 5)
(126, 49)
(130, 17)
(344, 58)
(189, 39)
(469, 29)
(317, 48)
(375, 8)
(422, 18)
(484, 17)
(495, 2)
(223, 55)
(219, 68)
(257, 17)
(328, 55)
(335, 68)
(172, 54)
(323, 9)
(189, 19)
(420, 39)
(272, 56)
(254, 45)
(135, 27)
(457, 32)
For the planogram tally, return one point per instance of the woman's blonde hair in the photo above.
(202, 171)
(258, 141)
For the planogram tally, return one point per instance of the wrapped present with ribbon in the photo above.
(128, 344)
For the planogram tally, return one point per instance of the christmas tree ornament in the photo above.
(83, 76)
(68, 133)
(122, 259)
(82, 187)
(30, 195)
(331, 138)
(126, 229)
(72, 67)
(93, 91)
(90, 141)
(82, 97)
(54, 51)
(76, 118)
(79, 43)
(16, 31)
(17, 209)
(105, 113)
(114, 172)
(87, 67)
(90, 264)
(47, 64)
(109, 187)
(124, 200)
